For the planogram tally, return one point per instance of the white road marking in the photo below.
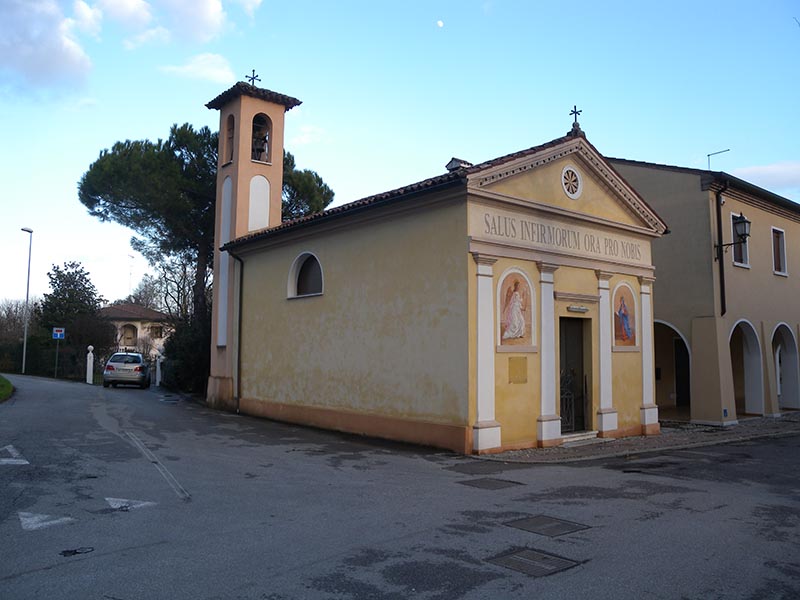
(176, 487)
(122, 503)
(16, 457)
(32, 521)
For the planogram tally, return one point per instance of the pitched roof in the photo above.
(127, 311)
(718, 178)
(245, 89)
(457, 176)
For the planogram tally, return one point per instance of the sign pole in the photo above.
(58, 335)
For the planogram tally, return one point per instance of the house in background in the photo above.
(727, 317)
(139, 329)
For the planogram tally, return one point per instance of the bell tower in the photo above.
(249, 189)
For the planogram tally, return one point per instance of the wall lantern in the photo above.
(741, 231)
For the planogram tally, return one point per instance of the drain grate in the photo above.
(533, 562)
(549, 526)
(489, 483)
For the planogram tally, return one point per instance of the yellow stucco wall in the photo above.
(517, 404)
(626, 363)
(389, 335)
(543, 185)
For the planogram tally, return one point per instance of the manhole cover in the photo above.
(544, 525)
(533, 562)
(488, 483)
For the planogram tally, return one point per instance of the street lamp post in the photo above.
(27, 292)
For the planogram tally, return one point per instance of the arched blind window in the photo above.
(309, 277)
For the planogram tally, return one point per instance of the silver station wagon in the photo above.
(127, 368)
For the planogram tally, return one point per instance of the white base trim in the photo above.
(548, 427)
(485, 435)
(607, 419)
(649, 414)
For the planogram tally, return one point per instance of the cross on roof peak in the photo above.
(576, 127)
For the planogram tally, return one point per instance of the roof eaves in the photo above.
(421, 187)
(717, 179)
(245, 89)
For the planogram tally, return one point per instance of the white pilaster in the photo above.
(607, 414)
(486, 431)
(549, 424)
(649, 409)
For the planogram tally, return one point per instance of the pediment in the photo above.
(569, 178)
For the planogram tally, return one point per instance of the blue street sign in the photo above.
(58, 333)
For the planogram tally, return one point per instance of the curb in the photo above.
(555, 460)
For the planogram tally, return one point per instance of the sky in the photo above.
(391, 91)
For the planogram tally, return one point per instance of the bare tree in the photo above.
(12, 319)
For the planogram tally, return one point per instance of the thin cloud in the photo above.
(207, 67)
(134, 13)
(37, 43)
(159, 35)
(782, 178)
(87, 19)
(201, 20)
(249, 6)
(309, 134)
(86, 103)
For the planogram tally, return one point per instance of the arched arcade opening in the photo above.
(673, 373)
(787, 368)
(748, 378)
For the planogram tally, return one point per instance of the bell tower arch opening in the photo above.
(260, 150)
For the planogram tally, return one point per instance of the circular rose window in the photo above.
(571, 182)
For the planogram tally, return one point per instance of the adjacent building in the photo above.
(501, 305)
(727, 316)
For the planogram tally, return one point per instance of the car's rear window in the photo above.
(126, 359)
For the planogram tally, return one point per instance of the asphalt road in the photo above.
(125, 494)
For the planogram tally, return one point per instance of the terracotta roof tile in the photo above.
(131, 312)
(245, 89)
(458, 175)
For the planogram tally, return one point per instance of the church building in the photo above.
(500, 305)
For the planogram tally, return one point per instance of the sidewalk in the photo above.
(674, 435)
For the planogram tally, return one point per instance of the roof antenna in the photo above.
(708, 156)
